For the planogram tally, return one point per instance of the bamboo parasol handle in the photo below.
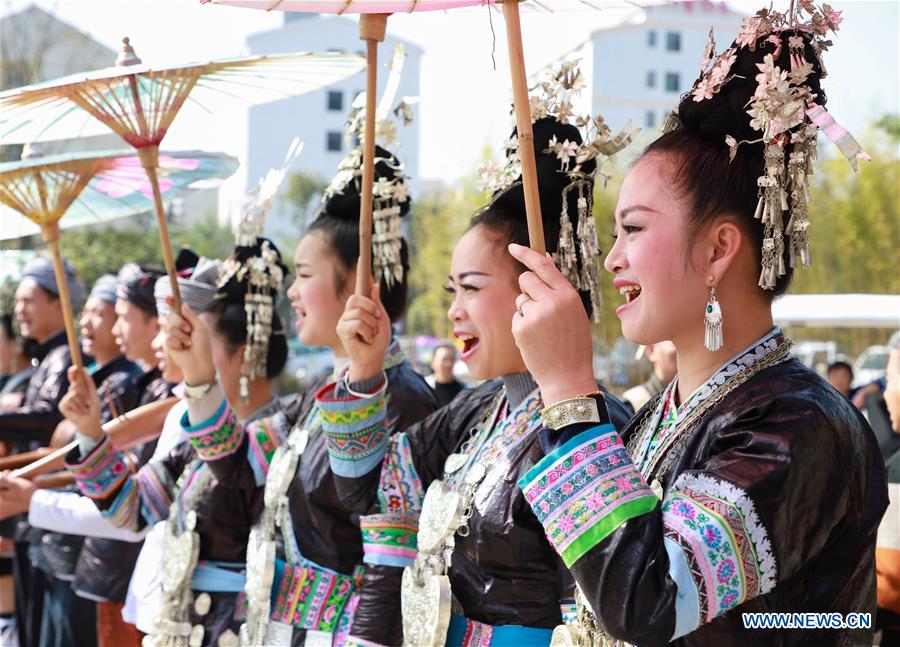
(50, 234)
(523, 126)
(128, 430)
(150, 161)
(371, 30)
(15, 461)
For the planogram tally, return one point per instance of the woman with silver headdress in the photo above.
(749, 485)
(479, 569)
(310, 579)
(207, 520)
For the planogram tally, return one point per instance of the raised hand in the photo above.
(552, 330)
(81, 404)
(365, 332)
(188, 345)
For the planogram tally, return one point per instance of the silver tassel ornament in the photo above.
(386, 245)
(566, 259)
(590, 250)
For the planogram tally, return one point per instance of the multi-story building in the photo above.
(642, 66)
(317, 118)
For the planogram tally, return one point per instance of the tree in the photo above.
(302, 195)
(437, 222)
(97, 250)
(207, 236)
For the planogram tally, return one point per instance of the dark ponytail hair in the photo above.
(505, 215)
(338, 222)
(231, 325)
(713, 186)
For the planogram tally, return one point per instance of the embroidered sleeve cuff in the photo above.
(389, 539)
(354, 429)
(265, 436)
(583, 491)
(216, 437)
(100, 472)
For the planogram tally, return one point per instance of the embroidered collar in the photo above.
(507, 429)
(740, 363)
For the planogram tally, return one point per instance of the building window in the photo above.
(650, 119)
(673, 83)
(335, 100)
(673, 41)
(651, 38)
(651, 79)
(334, 140)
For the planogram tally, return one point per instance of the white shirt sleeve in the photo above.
(71, 513)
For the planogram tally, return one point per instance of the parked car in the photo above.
(817, 355)
(870, 365)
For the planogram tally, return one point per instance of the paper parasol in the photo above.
(92, 185)
(373, 20)
(123, 190)
(139, 103)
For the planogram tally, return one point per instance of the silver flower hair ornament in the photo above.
(578, 244)
(388, 193)
(784, 110)
(263, 273)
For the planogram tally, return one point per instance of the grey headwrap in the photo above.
(105, 289)
(197, 291)
(136, 286)
(40, 270)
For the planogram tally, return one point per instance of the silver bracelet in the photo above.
(567, 412)
(366, 396)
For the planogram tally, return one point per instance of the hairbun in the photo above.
(725, 112)
(342, 198)
(764, 94)
(566, 164)
(263, 257)
(551, 180)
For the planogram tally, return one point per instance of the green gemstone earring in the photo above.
(713, 339)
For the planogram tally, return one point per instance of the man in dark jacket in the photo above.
(40, 316)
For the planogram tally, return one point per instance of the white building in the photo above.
(642, 66)
(317, 118)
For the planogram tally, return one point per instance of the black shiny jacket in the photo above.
(57, 553)
(504, 572)
(328, 532)
(810, 464)
(225, 514)
(33, 423)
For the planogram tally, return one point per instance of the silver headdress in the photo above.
(578, 251)
(390, 193)
(258, 263)
(784, 110)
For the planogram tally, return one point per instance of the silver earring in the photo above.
(244, 388)
(714, 339)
